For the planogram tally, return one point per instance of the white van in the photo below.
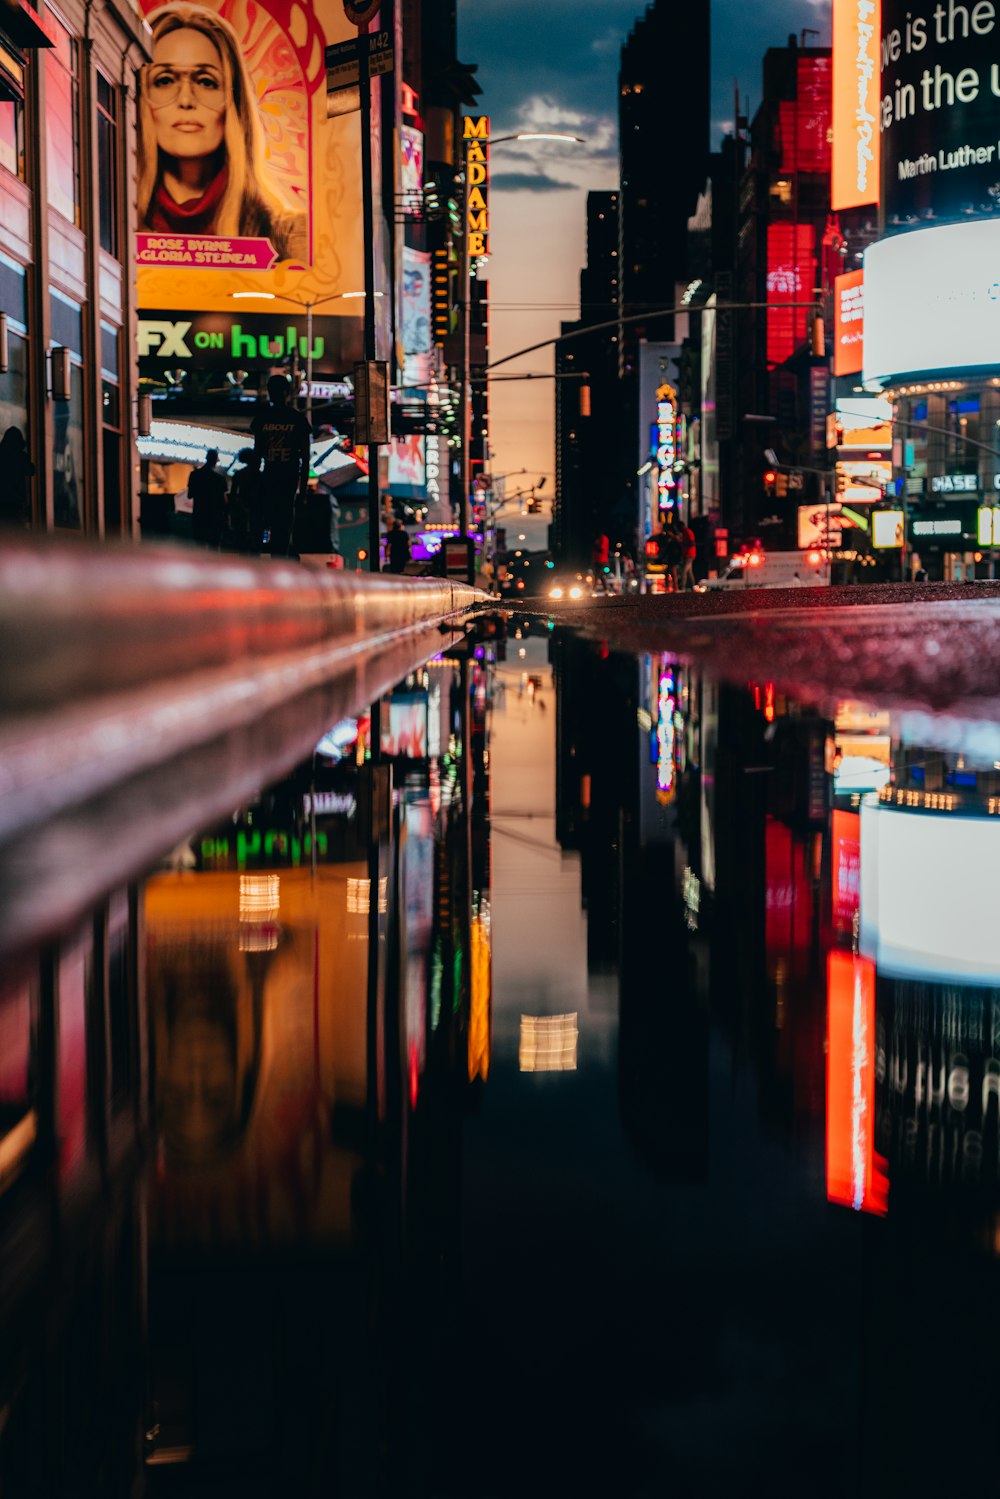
(756, 568)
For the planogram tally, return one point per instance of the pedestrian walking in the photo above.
(207, 489)
(281, 449)
(16, 469)
(242, 518)
(689, 551)
(398, 547)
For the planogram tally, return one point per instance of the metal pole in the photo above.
(368, 221)
(309, 364)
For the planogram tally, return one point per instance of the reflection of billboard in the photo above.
(855, 1172)
(940, 112)
(930, 301)
(914, 921)
(404, 728)
(861, 763)
(244, 185)
(846, 840)
(848, 322)
(855, 177)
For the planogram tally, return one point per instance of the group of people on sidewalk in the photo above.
(255, 511)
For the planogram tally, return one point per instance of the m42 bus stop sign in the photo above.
(360, 12)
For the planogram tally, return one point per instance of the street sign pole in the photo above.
(371, 351)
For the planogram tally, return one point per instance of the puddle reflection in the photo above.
(673, 1000)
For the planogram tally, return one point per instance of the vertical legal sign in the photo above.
(666, 445)
(476, 133)
(855, 175)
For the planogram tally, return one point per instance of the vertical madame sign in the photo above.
(855, 177)
(476, 131)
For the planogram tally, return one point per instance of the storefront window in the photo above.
(107, 164)
(14, 385)
(12, 136)
(961, 455)
(61, 137)
(67, 455)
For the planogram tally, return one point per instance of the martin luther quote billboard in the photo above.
(939, 111)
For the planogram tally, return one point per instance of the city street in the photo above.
(499, 749)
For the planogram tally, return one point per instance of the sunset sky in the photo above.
(553, 64)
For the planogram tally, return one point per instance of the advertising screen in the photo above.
(249, 197)
(855, 178)
(913, 922)
(848, 322)
(940, 111)
(416, 316)
(791, 275)
(932, 301)
(887, 528)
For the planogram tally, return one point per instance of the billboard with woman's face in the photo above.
(244, 185)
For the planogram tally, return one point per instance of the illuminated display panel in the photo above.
(916, 923)
(887, 528)
(846, 832)
(931, 301)
(848, 322)
(855, 154)
(855, 1172)
(805, 120)
(791, 276)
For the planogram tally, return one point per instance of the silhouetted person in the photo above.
(398, 547)
(281, 449)
(207, 489)
(243, 508)
(16, 468)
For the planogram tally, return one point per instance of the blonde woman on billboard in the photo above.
(201, 148)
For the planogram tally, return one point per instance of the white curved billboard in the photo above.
(932, 302)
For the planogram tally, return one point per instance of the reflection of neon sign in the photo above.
(855, 1172)
(666, 706)
(666, 444)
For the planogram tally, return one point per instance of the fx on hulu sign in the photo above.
(939, 110)
(476, 133)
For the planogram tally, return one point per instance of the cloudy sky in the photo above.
(554, 64)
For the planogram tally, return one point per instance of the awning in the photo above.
(23, 26)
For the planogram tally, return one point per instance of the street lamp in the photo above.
(308, 305)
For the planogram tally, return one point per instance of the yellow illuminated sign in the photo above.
(476, 133)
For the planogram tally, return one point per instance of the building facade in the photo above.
(68, 377)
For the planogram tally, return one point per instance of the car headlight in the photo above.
(556, 592)
(576, 592)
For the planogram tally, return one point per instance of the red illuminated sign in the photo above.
(855, 1172)
(791, 277)
(805, 120)
(848, 322)
(846, 871)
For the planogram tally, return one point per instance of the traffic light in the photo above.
(441, 295)
(770, 481)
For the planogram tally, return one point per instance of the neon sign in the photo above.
(666, 706)
(476, 132)
(666, 445)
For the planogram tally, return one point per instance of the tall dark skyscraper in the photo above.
(586, 460)
(664, 87)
